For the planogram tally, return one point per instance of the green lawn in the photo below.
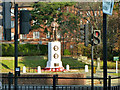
(33, 62)
(8, 65)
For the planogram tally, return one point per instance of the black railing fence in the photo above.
(52, 83)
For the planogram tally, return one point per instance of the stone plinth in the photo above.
(54, 55)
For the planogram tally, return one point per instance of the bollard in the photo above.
(94, 69)
(98, 63)
(67, 67)
(24, 69)
(86, 68)
(39, 69)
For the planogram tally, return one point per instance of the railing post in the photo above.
(10, 80)
(109, 83)
(54, 82)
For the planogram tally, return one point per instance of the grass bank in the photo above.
(33, 62)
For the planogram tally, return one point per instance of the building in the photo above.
(38, 36)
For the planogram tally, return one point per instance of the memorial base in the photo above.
(60, 69)
(54, 62)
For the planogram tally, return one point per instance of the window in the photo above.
(81, 13)
(48, 35)
(81, 22)
(36, 35)
(12, 12)
(89, 13)
(78, 13)
(23, 9)
(12, 24)
(95, 13)
(23, 36)
(58, 35)
(12, 36)
(34, 21)
(67, 9)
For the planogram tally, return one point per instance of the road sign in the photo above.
(108, 6)
(116, 58)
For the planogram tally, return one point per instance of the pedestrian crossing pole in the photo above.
(16, 44)
(105, 51)
(92, 73)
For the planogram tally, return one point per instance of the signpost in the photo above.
(107, 9)
(116, 58)
(108, 6)
(16, 45)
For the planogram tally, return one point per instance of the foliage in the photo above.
(96, 21)
(85, 51)
(43, 12)
(90, 13)
(8, 49)
(24, 50)
(67, 52)
(110, 65)
(113, 39)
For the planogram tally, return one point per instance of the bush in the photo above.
(85, 51)
(67, 52)
(8, 49)
(24, 49)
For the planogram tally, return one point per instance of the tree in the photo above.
(113, 33)
(96, 21)
(43, 12)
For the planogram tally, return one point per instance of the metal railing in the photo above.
(7, 84)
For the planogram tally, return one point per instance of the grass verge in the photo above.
(8, 65)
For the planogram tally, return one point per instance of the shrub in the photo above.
(8, 49)
(24, 49)
(67, 52)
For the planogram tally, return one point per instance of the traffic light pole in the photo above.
(16, 44)
(92, 47)
(105, 51)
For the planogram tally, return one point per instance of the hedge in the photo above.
(24, 49)
(67, 52)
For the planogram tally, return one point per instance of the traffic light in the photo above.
(6, 20)
(25, 18)
(84, 34)
(96, 37)
(1, 20)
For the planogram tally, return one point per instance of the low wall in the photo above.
(49, 81)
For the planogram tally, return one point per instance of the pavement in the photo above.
(99, 74)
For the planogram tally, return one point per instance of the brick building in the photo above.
(37, 36)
